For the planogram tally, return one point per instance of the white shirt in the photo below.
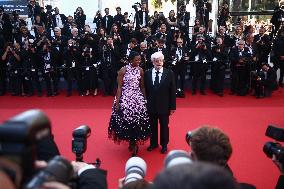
(59, 21)
(154, 74)
(144, 18)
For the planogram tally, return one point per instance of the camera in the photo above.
(19, 136)
(79, 141)
(188, 137)
(136, 6)
(274, 148)
(135, 169)
(176, 157)
(49, 8)
(58, 169)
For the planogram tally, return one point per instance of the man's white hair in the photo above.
(74, 29)
(157, 55)
(57, 29)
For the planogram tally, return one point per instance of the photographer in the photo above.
(80, 18)
(17, 23)
(58, 20)
(279, 55)
(180, 58)
(33, 9)
(5, 26)
(48, 57)
(110, 66)
(73, 68)
(141, 16)
(262, 46)
(218, 66)
(11, 57)
(277, 18)
(41, 38)
(213, 146)
(32, 68)
(115, 35)
(118, 18)
(89, 38)
(37, 22)
(89, 64)
(98, 20)
(107, 21)
(68, 26)
(183, 18)
(203, 8)
(224, 15)
(200, 54)
(239, 57)
(23, 37)
(265, 81)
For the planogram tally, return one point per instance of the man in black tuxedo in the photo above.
(161, 100)
(107, 21)
(58, 20)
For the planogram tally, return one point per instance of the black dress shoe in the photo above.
(164, 150)
(135, 151)
(150, 148)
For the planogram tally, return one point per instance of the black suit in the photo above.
(107, 23)
(63, 20)
(161, 99)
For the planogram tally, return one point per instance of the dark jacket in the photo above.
(161, 99)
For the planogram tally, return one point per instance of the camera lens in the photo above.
(135, 169)
(58, 169)
(177, 157)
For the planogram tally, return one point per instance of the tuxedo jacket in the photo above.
(63, 19)
(107, 25)
(162, 98)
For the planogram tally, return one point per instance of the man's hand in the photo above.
(54, 185)
(172, 111)
(78, 165)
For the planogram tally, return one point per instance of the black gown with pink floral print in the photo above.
(131, 121)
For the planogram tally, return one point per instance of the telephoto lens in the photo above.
(177, 157)
(58, 169)
(135, 169)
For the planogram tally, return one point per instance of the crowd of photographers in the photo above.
(60, 46)
(30, 159)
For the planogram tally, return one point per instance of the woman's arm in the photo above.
(120, 76)
(142, 86)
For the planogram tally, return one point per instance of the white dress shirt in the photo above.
(154, 74)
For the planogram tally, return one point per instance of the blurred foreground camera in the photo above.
(135, 169)
(177, 157)
(19, 137)
(274, 148)
(79, 141)
(58, 169)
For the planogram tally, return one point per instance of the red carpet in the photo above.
(244, 119)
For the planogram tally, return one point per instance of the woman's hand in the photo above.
(116, 107)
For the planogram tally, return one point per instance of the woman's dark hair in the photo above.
(132, 55)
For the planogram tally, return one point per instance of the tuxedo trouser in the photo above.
(164, 129)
